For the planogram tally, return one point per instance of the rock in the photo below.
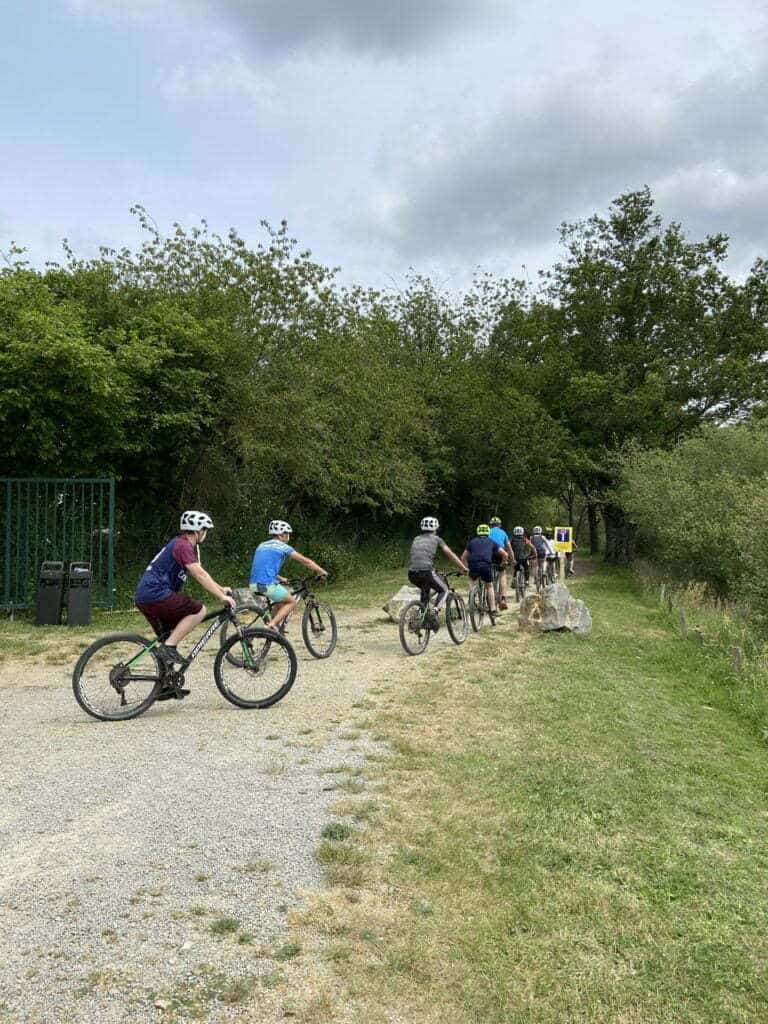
(555, 609)
(398, 601)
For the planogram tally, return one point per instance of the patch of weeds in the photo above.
(97, 981)
(271, 980)
(338, 769)
(224, 926)
(109, 935)
(338, 831)
(287, 952)
(210, 986)
(276, 766)
(339, 953)
(255, 867)
(245, 938)
(272, 736)
(351, 785)
(201, 877)
(199, 911)
(423, 908)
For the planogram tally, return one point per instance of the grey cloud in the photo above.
(370, 26)
(510, 182)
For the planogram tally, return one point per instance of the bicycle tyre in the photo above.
(319, 622)
(477, 599)
(414, 635)
(268, 650)
(93, 674)
(519, 586)
(250, 618)
(456, 618)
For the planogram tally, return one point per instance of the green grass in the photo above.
(576, 832)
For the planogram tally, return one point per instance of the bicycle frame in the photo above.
(219, 617)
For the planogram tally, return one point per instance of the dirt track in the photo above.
(123, 846)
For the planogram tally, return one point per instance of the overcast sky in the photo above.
(440, 134)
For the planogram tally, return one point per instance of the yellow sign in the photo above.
(564, 539)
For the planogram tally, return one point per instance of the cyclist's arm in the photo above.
(318, 569)
(207, 582)
(504, 556)
(460, 562)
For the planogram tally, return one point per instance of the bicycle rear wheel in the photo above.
(414, 633)
(318, 627)
(255, 669)
(456, 618)
(519, 585)
(116, 678)
(477, 603)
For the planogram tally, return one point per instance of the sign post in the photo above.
(563, 546)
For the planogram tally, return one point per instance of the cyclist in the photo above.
(500, 536)
(554, 558)
(543, 548)
(522, 549)
(158, 595)
(265, 576)
(421, 572)
(478, 557)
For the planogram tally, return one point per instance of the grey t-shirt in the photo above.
(423, 551)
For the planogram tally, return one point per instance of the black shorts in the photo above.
(481, 572)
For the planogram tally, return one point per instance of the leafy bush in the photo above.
(701, 510)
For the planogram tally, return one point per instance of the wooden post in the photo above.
(737, 657)
(662, 593)
(683, 624)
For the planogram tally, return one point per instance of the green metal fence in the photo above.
(52, 520)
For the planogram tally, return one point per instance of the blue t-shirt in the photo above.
(268, 559)
(481, 551)
(499, 535)
(166, 573)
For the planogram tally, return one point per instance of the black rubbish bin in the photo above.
(79, 594)
(50, 593)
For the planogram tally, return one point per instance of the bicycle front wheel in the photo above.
(116, 678)
(456, 618)
(414, 633)
(318, 627)
(477, 601)
(255, 669)
(249, 618)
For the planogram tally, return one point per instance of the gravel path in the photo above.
(124, 847)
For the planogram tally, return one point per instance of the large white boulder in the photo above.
(398, 601)
(555, 609)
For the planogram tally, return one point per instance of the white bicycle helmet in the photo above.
(278, 526)
(518, 532)
(537, 530)
(429, 523)
(192, 520)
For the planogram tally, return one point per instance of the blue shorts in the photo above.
(483, 572)
(274, 592)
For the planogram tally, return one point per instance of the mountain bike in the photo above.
(318, 621)
(520, 582)
(552, 571)
(478, 605)
(121, 675)
(417, 619)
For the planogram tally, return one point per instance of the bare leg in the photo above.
(491, 597)
(283, 608)
(185, 626)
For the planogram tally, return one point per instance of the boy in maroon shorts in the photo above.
(158, 595)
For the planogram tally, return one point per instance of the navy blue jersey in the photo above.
(481, 551)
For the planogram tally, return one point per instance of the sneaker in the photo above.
(502, 606)
(173, 693)
(434, 621)
(493, 616)
(169, 655)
